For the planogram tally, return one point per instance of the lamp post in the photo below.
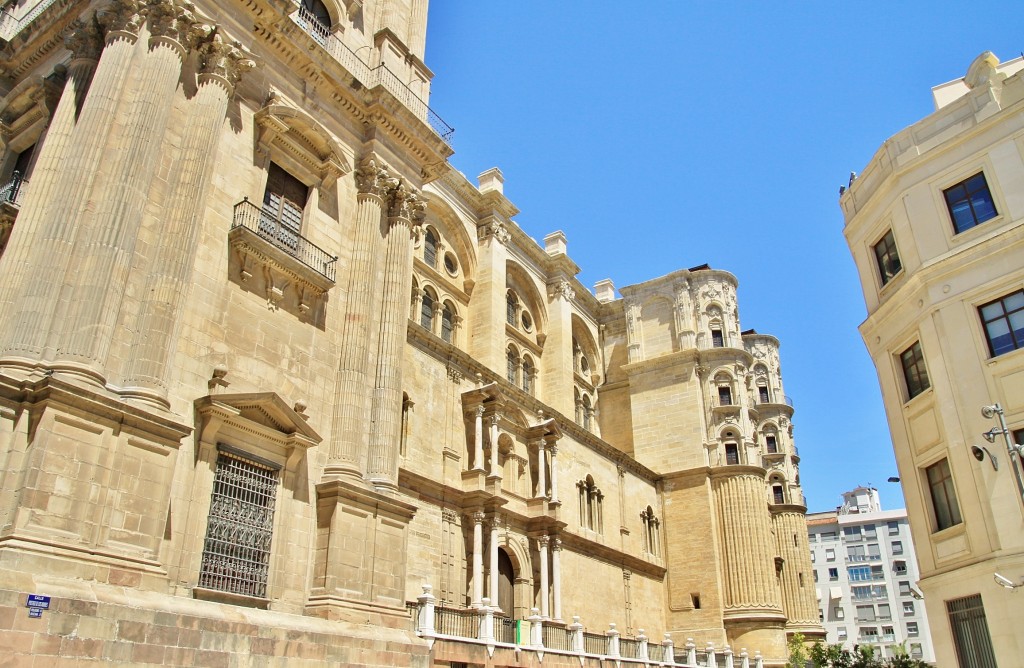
(1013, 450)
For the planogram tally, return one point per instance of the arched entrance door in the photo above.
(506, 578)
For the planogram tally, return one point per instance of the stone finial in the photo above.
(556, 243)
(492, 180)
(604, 290)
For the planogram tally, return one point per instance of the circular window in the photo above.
(451, 265)
(527, 322)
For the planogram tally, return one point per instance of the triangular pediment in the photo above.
(268, 410)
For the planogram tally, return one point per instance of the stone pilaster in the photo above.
(353, 383)
(67, 166)
(222, 64)
(488, 325)
(558, 349)
(102, 254)
(405, 212)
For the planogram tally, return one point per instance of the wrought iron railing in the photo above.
(371, 77)
(267, 226)
(505, 630)
(13, 192)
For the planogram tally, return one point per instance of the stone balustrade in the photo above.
(533, 635)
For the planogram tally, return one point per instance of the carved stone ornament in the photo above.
(172, 19)
(225, 60)
(448, 515)
(121, 16)
(85, 41)
(562, 290)
(496, 230)
(373, 178)
(406, 203)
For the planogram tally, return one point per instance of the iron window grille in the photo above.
(970, 202)
(970, 632)
(914, 371)
(1004, 323)
(236, 553)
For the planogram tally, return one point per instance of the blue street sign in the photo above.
(38, 601)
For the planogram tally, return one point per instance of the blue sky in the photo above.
(662, 135)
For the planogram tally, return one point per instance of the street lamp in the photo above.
(1014, 450)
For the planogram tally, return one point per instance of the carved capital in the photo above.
(123, 16)
(556, 544)
(448, 515)
(562, 289)
(405, 203)
(494, 230)
(373, 178)
(85, 41)
(478, 517)
(173, 20)
(223, 60)
(543, 541)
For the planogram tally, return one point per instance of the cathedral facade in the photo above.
(268, 366)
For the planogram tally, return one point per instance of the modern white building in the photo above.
(865, 571)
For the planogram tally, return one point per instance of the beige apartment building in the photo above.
(277, 384)
(934, 223)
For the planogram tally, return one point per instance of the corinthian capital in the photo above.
(373, 177)
(406, 203)
(121, 16)
(496, 230)
(224, 60)
(562, 290)
(172, 19)
(85, 40)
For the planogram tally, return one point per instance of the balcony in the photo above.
(371, 77)
(13, 192)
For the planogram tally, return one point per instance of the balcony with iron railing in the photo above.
(13, 192)
(254, 225)
(371, 77)
(482, 627)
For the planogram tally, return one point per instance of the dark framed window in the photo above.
(427, 311)
(943, 493)
(1004, 323)
(283, 203)
(888, 258)
(970, 632)
(447, 323)
(778, 495)
(717, 340)
(511, 308)
(762, 394)
(724, 395)
(430, 248)
(914, 371)
(732, 454)
(512, 366)
(970, 202)
(771, 444)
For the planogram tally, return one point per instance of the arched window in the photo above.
(430, 248)
(314, 17)
(591, 512)
(511, 308)
(588, 412)
(427, 311)
(447, 322)
(512, 365)
(529, 373)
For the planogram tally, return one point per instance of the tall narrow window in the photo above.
(430, 248)
(1004, 323)
(528, 375)
(762, 394)
(970, 632)
(447, 323)
(283, 203)
(236, 553)
(717, 340)
(651, 525)
(724, 395)
(771, 445)
(732, 454)
(914, 371)
(887, 257)
(943, 494)
(588, 412)
(511, 308)
(591, 515)
(970, 202)
(512, 366)
(427, 311)
(778, 496)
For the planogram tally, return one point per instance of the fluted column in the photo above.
(493, 549)
(478, 559)
(478, 439)
(542, 474)
(154, 333)
(350, 427)
(36, 238)
(35, 305)
(748, 549)
(545, 591)
(556, 576)
(406, 210)
(105, 245)
(553, 451)
(798, 602)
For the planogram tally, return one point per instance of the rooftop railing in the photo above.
(371, 77)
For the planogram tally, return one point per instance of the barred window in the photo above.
(236, 553)
(970, 632)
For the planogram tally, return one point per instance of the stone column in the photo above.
(105, 244)
(545, 591)
(542, 473)
(155, 329)
(29, 319)
(405, 212)
(350, 427)
(478, 439)
(553, 450)
(478, 559)
(39, 238)
(747, 545)
(556, 576)
(495, 471)
(493, 549)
